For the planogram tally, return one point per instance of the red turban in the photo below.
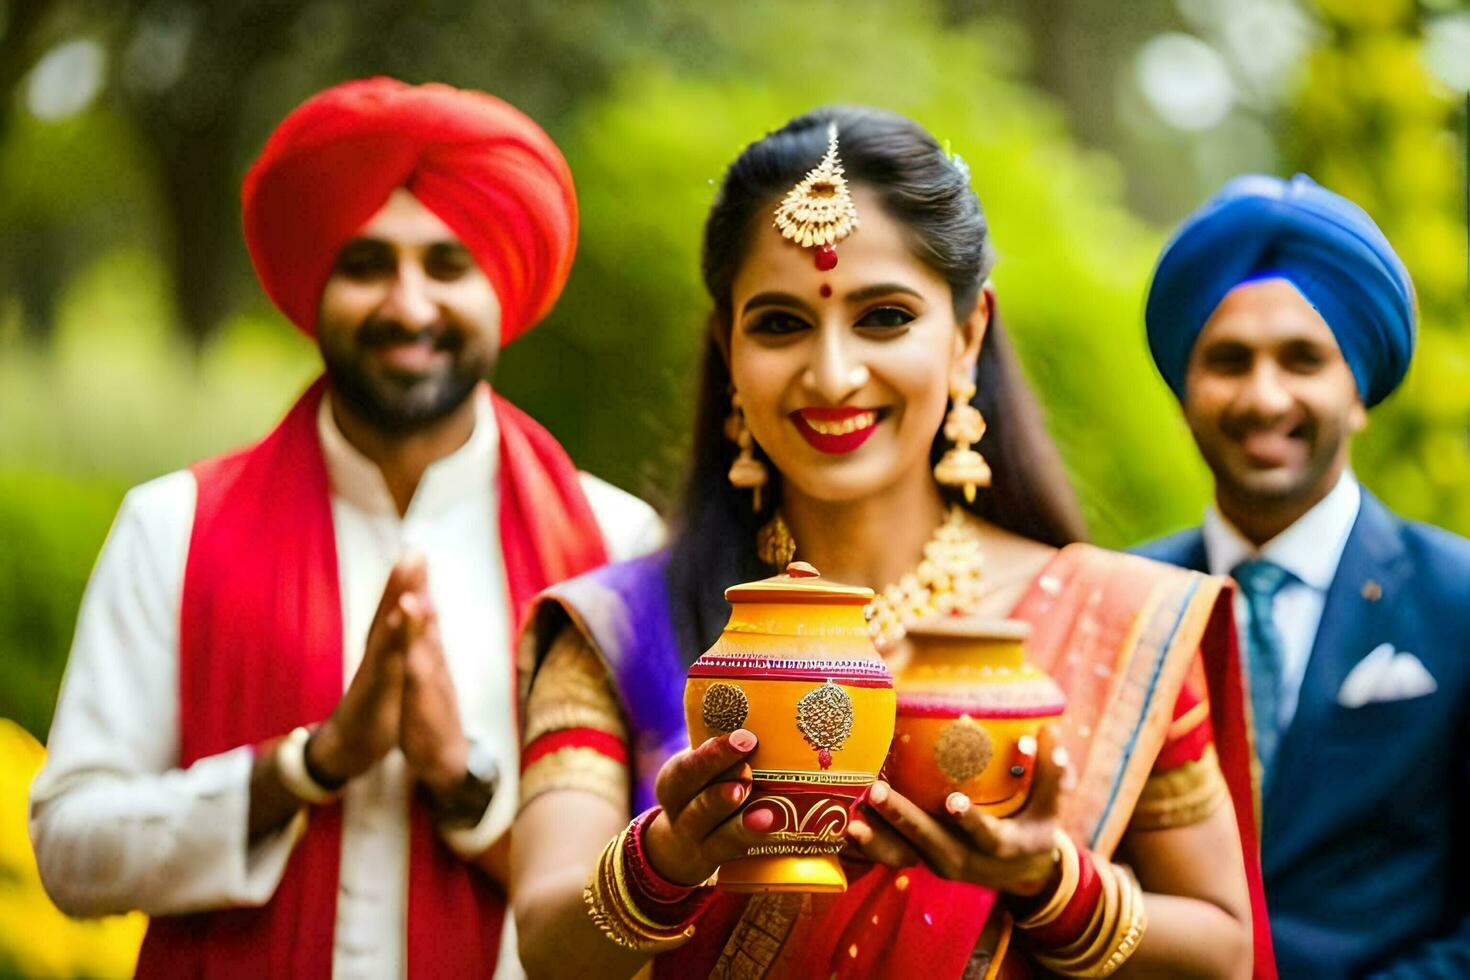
(489, 172)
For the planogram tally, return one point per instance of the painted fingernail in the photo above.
(735, 792)
(878, 793)
(958, 804)
(1060, 758)
(758, 820)
(742, 740)
(1026, 745)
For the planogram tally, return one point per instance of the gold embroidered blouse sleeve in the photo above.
(575, 735)
(1186, 784)
(1181, 796)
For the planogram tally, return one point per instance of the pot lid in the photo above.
(970, 628)
(800, 583)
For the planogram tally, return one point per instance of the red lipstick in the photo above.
(835, 430)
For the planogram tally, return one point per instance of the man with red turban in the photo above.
(287, 730)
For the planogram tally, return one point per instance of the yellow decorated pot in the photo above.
(970, 705)
(795, 665)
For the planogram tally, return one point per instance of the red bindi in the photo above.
(825, 291)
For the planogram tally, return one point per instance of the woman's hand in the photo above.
(701, 790)
(1010, 854)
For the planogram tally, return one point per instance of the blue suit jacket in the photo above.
(1366, 819)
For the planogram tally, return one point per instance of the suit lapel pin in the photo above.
(1372, 591)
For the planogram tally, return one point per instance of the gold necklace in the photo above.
(946, 581)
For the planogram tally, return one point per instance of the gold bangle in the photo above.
(642, 923)
(613, 911)
(1075, 961)
(1131, 932)
(1066, 888)
(1114, 934)
(1079, 947)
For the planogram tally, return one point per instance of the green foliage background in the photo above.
(649, 105)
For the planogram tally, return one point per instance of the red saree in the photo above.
(1119, 633)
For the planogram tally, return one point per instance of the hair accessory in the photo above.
(818, 212)
(957, 161)
(747, 472)
(960, 165)
(962, 466)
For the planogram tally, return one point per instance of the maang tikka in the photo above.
(818, 212)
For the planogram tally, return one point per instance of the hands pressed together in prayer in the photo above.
(702, 791)
(402, 695)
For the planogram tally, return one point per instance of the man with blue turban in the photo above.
(1278, 315)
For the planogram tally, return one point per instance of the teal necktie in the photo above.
(1260, 580)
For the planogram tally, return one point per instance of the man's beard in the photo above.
(399, 404)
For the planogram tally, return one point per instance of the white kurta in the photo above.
(118, 826)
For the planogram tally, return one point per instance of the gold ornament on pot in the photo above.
(724, 707)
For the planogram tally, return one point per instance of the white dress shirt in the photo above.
(118, 826)
(1310, 550)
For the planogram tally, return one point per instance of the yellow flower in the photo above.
(36, 938)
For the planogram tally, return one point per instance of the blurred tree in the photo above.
(37, 250)
(199, 86)
(179, 78)
(49, 530)
(1370, 121)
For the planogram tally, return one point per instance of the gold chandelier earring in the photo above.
(962, 466)
(747, 472)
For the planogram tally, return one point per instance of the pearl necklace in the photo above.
(947, 581)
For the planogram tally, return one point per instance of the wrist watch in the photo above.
(464, 804)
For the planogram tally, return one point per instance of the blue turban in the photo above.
(1326, 246)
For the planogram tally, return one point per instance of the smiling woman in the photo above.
(853, 371)
(841, 365)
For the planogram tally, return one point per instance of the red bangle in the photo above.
(1068, 927)
(659, 898)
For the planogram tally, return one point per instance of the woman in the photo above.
(844, 328)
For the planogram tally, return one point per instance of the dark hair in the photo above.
(920, 187)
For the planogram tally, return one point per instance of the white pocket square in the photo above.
(1385, 675)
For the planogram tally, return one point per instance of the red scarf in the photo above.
(260, 652)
